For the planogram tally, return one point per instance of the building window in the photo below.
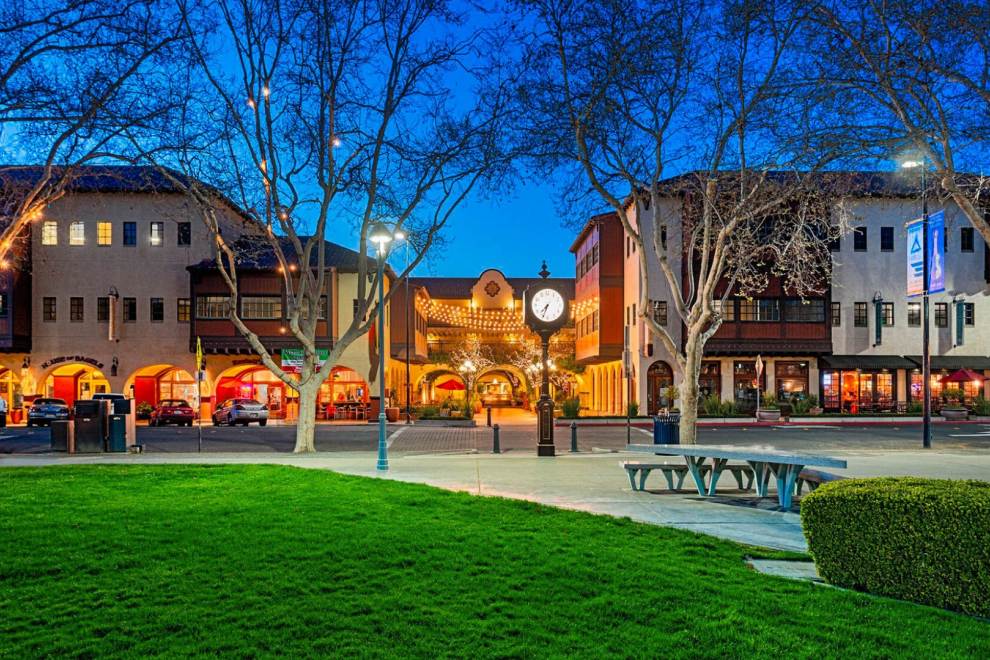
(634, 314)
(886, 239)
(941, 315)
(157, 310)
(836, 311)
(761, 309)
(859, 239)
(49, 233)
(727, 308)
(887, 312)
(185, 234)
(969, 314)
(660, 312)
(77, 233)
(130, 233)
(48, 309)
(104, 233)
(804, 311)
(103, 309)
(860, 315)
(966, 239)
(835, 244)
(130, 310)
(914, 315)
(182, 310)
(75, 309)
(157, 235)
(3, 305)
(212, 307)
(261, 307)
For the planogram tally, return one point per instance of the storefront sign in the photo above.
(936, 252)
(960, 322)
(71, 358)
(915, 259)
(292, 359)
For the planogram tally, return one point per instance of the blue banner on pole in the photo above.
(915, 258)
(936, 252)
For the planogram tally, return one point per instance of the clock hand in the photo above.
(545, 308)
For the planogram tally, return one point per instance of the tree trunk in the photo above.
(689, 391)
(306, 425)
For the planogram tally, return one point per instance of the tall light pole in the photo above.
(926, 358)
(381, 236)
(408, 322)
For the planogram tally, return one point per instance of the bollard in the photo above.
(489, 415)
(574, 436)
(496, 449)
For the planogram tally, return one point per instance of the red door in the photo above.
(65, 387)
(146, 390)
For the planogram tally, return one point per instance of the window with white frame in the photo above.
(77, 233)
(49, 233)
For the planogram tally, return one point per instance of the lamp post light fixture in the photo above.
(381, 236)
(926, 358)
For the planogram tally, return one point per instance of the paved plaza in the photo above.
(590, 480)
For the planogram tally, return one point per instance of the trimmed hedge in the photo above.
(923, 540)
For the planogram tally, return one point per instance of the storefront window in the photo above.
(710, 379)
(792, 380)
(744, 384)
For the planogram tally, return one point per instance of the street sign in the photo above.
(199, 355)
(915, 258)
(936, 252)
(759, 366)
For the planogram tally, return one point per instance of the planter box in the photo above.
(446, 422)
(768, 415)
(957, 415)
(392, 414)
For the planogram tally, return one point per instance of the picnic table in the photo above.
(785, 466)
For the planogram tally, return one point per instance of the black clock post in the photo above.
(545, 310)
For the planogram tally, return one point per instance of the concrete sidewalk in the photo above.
(591, 482)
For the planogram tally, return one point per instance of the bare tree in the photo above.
(911, 80)
(73, 77)
(323, 118)
(634, 92)
(470, 360)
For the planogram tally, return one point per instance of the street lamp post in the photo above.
(926, 358)
(381, 236)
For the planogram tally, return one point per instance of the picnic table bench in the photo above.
(669, 470)
(814, 479)
(785, 466)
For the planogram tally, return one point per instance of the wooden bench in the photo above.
(681, 470)
(814, 479)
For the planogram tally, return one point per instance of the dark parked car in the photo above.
(240, 411)
(171, 411)
(45, 411)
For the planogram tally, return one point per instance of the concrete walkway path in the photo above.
(591, 482)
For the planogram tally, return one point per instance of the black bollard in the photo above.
(496, 449)
(489, 415)
(574, 436)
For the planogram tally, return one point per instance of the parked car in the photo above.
(45, 411)
(240, 411)
(171, 411)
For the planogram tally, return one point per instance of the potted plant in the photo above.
(954, 410)
(768, 410)
(144, 410)
(671, 393)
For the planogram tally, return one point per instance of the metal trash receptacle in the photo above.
(117, 436)
(90, 430)
(62, 435)
(666, 429)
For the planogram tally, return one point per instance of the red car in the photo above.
(172, 411)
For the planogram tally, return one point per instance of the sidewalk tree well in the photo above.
(622, 95)
(323, 120)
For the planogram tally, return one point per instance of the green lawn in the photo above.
(257, 560)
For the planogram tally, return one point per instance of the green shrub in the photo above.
(981, 406)
(571, 408)
(769, 401)
(711, 406)
(429, 411)
(924, 540)
(632, 410)
(915, 408)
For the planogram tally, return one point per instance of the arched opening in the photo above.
(501, 386)
(440, 386)
(10, 390)
(254, 382)
(344, 395)
(75, 381)
(156, 382)
(659, 377)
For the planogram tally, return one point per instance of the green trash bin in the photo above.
(117, 440)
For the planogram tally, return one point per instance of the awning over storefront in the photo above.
(870, 362)
(953, 362)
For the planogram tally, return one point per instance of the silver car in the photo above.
(240, 411)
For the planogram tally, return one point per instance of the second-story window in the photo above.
(157, 310)
(966, 239)
(49, 233)
(860, 315)
(102, 309)
(75, 309)
(130, 310)
(887, 312)
(156, 237)
(77, 233)
(104, 233)
(859, 239)
(941, 315)
(130, 233)
(762, 309)
(836, 314)
(49, 312)
(969, 314)
(182, 310)
(184, 236)
(804, 311)
(212, 307)
(914, 315)
(261, 308)
(886, 239)
(660, 311)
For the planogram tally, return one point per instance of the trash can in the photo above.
(666, 429)
(61, 435)
(117, 436)
(89, 420)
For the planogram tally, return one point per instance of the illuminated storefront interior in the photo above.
(75, 381)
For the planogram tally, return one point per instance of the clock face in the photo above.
(547, 305)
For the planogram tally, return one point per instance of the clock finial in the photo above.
(544, 273)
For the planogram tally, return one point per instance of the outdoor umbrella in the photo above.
(450, 385)
(962, 376)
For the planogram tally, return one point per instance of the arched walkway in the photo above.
(74, 381)
(155, 382)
